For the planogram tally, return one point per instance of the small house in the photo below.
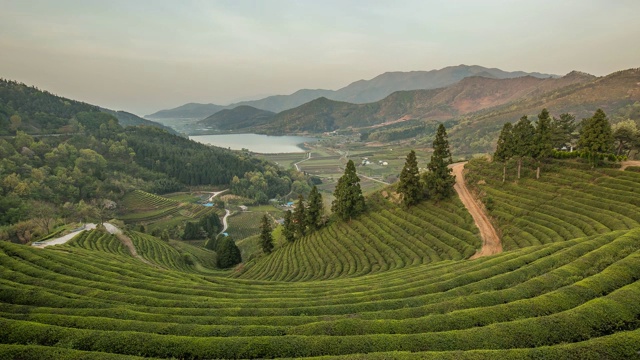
(243, 208)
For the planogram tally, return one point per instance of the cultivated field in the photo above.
(391, 284)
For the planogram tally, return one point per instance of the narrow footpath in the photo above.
(490, 240)
(225, 225)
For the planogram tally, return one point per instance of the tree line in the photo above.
(593, 139)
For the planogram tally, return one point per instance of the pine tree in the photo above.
(300, 218)
(542, 139)
(227, 253)
(315, 209)
(523, 133)
(349, 201)
(438, 180)
(266, 239)
(562, 131)
(409, 184)
(288, 230)
(596, 138)
(504, 150)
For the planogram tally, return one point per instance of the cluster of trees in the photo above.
(207, 227)
(227, 252)
(270, 183)
(593, 137)
(437, 183)
(305, 218)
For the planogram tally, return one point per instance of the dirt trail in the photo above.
(224, 221)
(626, 164)
(490, 240)
(132, 249)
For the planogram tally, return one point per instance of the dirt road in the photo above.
(490, 241)
(224, 221)
(626, 164)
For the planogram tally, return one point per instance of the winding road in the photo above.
(490, 240)
(225, 225)
(64, 239)
(301, 161)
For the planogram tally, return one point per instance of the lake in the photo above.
(263, 144)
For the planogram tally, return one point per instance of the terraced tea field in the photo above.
(159, 212)
(379, 287)
(388, 237)
(563, 204)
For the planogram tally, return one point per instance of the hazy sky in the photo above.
(143, 56)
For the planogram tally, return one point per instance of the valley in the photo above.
(532, 251)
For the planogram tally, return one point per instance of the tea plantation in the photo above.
(393, 283)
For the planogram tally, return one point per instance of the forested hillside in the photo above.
(63, 161)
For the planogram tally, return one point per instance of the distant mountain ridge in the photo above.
(469, 95)
(128, 119)
(358, 92)
(243, 116)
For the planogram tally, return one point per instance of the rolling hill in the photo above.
(359, 92)
(477, 131)
(567, 288)
(471, 94)
(241, 117)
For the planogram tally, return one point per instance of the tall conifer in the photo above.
(266, 239)
(596, 138)
(438, 179)
(409, 184)
(289, 230)
(349, 200)
(315, 209)
(300, 217)
(542, 139)
(504, 150)
(523, 136)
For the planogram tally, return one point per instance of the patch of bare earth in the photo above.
(490, 240)
(132, 249)
(626, 164)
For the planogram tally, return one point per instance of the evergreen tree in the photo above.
(349, 201)
(300, 217)
(228, 253)
(438, 180)
(504, 150)
(212, 243)
(409, 185)
(289, 230)
(542, 140)
(192, 231)
(315, 209)
(596, 138)
(523, 133)
(562, 130)
(266, 239)
(210, 224)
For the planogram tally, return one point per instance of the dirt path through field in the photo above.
(490, 241)
(132, 249)
(626, 164)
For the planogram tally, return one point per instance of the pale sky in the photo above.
(142, 56)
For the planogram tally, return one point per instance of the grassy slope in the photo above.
(570, 298)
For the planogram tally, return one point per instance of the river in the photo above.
(263, 144)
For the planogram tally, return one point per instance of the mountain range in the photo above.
(359, 92)
(478, 105)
